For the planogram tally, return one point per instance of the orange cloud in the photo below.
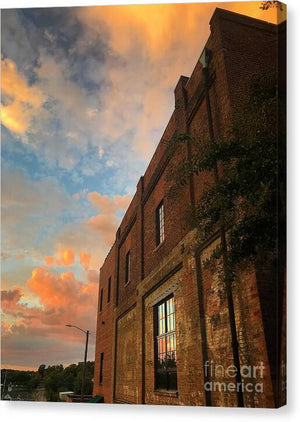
(62, 299)
(85, 260)
(65, 257)
(49, 260)
(21, 101)
(156, 43)
(157, 24)
(108, 205)
(60, 291)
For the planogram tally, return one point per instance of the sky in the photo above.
(86, 95)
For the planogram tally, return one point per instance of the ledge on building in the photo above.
(166, 393)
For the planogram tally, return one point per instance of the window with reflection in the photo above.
(165, 345)
(160, 224)
(127, 268)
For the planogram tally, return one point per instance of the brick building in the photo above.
(158, 302)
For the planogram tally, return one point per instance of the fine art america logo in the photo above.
(252, 377)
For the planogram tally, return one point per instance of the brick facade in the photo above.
(242, 48)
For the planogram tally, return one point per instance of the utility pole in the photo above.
(87, 333)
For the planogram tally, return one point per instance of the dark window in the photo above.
(165, 345)
(108, 289)
(127, 268)
(101, 368)
(160, 224)
(101, 299)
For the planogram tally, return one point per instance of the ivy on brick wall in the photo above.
(249, 196)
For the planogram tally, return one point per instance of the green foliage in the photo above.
(53, 378)
(250, 162)
(266, 5)
(89, 373)
(16, 377)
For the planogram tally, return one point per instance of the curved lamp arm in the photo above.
(75, 326)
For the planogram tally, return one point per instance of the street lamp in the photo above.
(86, 332)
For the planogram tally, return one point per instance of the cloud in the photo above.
(109, 85)
(108, 205)
(150, 46)
(49, 260)
(65, 257)
(10, 298)
(61, 291)
(63, 299)
(85, 259)
(106, 225)
(21, 101)
(31, 211)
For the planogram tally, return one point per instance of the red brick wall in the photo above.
(249, 50)
(104, 334)
(175, 225)
(250, 330)
(126, 358)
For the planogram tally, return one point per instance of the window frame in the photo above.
(127, 267)
(165, 335)
(101, 300)
(109, 289)
(101, 368)
(160, 223)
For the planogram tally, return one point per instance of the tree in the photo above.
(266, 5)
(53, 378)
(41, 370)
(251, 163)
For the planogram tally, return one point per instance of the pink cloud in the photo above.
(62, 299)
(106, 225)
(85, 259)
(108, 205)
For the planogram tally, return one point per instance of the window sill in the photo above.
(166, 393)
(158, 246)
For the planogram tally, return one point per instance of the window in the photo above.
(101, 300)
(160, 224)
(127, 268)
(165, 345)
(101, 368)
(108, 289)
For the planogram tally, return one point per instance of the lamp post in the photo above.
(86, 332)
